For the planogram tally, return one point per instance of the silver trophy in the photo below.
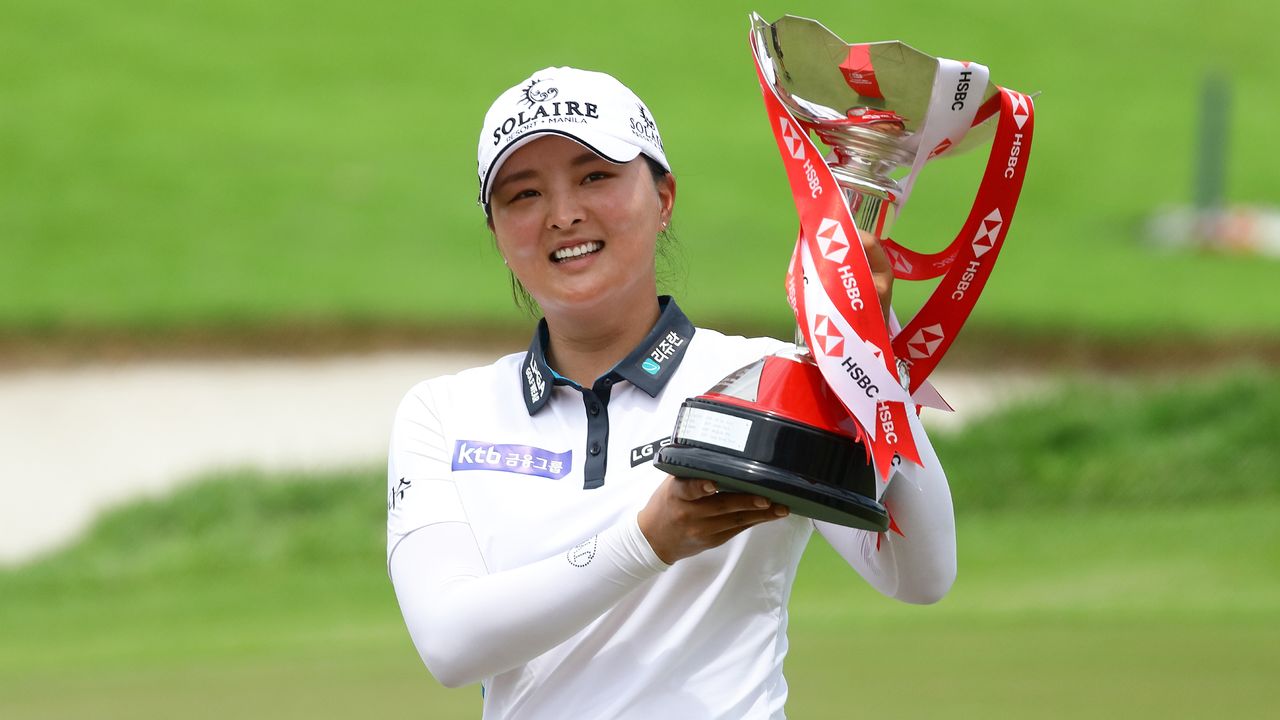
(867, 102)
(775, 428)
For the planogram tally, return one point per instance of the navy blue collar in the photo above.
(649, 366)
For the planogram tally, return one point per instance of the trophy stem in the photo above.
(863, 159)
(872, 213)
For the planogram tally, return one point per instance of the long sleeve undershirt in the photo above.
(466, 626)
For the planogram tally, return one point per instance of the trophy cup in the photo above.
(821, 426)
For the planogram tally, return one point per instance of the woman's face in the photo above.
(577, 230)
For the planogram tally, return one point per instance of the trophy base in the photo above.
(801, 496)
(781, 442)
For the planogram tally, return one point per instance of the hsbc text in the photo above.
(851, 287)
(1013, 156)
(966, 279)
(860, 377)
(811, 176)
(887, 432)
(962, 90)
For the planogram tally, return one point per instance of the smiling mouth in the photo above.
(577, 251)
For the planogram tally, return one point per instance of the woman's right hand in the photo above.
(686, 516)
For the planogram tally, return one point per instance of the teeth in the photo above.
(576, 250)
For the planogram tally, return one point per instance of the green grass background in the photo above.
(172, 163)
(246, 596)
(230, 165)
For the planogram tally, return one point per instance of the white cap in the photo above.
(590, 107)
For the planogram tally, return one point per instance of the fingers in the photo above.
(881, 271)
(737, 511)
(712, 502)
(737, 522)
(724, 537)
(733, 502)
(687, 515)
(691, 489)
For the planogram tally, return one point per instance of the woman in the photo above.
(532, 544)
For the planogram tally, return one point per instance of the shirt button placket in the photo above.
(596, 459)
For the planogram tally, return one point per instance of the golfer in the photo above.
(533, 546)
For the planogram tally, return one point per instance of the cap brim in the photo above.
(606, 146)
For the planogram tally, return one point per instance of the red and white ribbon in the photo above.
(953, 104)
(839, 313)
(830, 285)
(967, 262)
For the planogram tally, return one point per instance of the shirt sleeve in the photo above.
(420, 489)
(467, 623)
(915, 563)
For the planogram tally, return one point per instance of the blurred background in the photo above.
(233, 233)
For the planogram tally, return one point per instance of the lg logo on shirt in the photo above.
(645, 453)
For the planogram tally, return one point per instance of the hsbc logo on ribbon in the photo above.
(792, 137)
(1020, 110)
(898, 260)
(827, 337)
(925, 342)
(986, 237)
(832, 241)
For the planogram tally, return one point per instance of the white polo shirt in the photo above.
(540, 470)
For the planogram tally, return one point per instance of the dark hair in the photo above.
(669, 269)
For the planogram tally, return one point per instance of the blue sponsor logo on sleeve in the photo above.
(521, 459)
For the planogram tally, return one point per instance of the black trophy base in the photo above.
(814, 472)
